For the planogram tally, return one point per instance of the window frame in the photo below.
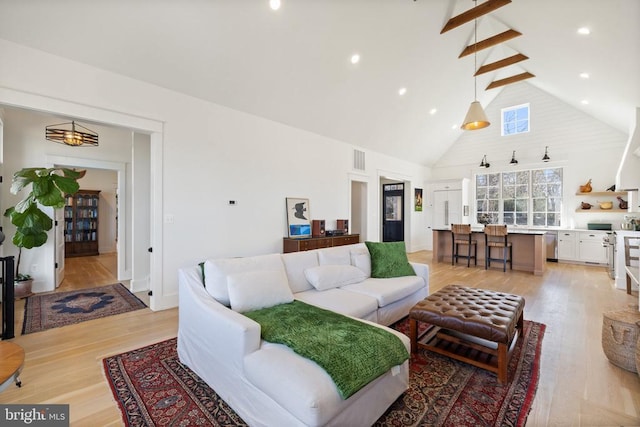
(552, 198)
(516, 120)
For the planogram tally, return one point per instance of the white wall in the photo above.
(141, 203)
(585, 147)
(210, 155)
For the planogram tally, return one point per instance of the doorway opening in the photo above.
(88, 227)
(359, 209)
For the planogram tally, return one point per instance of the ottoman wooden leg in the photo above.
(413, 334)
(503, 361)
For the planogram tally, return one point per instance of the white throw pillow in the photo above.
(258, 289)
(216, 272)
(326, 277)
(360, 258)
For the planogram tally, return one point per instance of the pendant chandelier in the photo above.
(71, 134)
(475, 118)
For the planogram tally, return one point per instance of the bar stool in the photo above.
(461, 235)
(495, 236)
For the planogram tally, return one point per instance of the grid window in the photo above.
(488, 198)
(526, 198)
(515, 120)
(547, 197)
(515, 197)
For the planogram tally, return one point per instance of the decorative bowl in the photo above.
(605, 205)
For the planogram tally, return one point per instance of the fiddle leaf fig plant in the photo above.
(48, 188)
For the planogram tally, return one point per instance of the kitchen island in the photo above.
(529, 251)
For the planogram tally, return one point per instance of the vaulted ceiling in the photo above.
(293, 65)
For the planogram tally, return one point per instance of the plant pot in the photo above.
(22, 288)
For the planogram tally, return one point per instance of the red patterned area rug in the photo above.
(47, 311)
(153, 388)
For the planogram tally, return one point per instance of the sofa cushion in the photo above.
(295, 263)
(361, 259)
(297, 384)
(341, 301)
(325, 277)
(217, 270)
(389, 259)
(258, 289)
(340, 255)
(387, 291)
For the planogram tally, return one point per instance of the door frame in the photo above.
(153, 127)
(388, 177)
(124, 273)
(383, 207)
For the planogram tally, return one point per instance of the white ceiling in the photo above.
(293, 65)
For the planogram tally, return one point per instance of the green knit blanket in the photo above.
(353, 353)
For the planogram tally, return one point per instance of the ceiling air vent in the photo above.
(358, 160)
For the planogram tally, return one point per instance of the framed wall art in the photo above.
(418, 199)
(298, 217)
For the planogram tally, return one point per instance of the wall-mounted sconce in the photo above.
(513, 159)
(484, 163)
(546, 157)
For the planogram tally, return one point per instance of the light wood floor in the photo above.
(578, 386)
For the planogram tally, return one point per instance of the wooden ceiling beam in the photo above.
(474, 13)
(501, 63)
(491, 41)
(509, 80)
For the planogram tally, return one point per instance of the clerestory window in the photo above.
(515, 120)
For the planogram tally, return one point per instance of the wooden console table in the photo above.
(307, 244)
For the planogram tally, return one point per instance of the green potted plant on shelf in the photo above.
(48, 188)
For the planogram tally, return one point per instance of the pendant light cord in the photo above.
(475, 55)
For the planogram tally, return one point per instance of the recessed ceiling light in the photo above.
(355, 58)
(455, 126)
(585, 102)
(584, 75)
(584, 31)
(274, 4)
(402, 91)
(433, 111)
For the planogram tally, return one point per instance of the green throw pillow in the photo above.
(389, 259)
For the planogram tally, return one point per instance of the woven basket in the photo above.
(619, 338)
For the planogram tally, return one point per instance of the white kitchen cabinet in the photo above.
(582, 246)
(449, 202)
(567, 246)
(590, 248)
(447, 208)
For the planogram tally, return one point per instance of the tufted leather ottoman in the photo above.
(476, 326)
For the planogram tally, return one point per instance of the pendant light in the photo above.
(72, 134)
(475, 118)
(484, 163)
(546, 157)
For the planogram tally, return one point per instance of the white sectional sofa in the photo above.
(268, 384)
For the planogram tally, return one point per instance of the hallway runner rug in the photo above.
(52, 310)
(153, 388)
